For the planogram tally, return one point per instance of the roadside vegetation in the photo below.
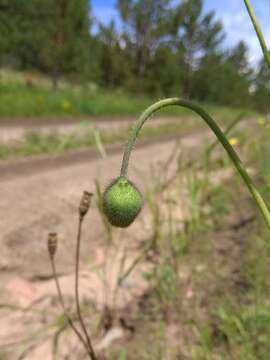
(159, 48)
(35, 143)
(38, 100)
(206, 295)
(209, 294)
(190, 278)
(29, 94)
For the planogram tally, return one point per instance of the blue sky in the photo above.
(232, 13)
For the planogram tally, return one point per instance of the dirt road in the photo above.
(41, 195)
(14, 130)
(35, 201)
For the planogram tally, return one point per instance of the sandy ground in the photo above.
(41, 195)
(35, 201)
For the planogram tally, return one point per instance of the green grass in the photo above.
(18, 98)
(32, 95)
(228, 316)
(239, 321)
(225, 269)
(36, 143)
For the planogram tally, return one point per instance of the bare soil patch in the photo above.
(45, 199)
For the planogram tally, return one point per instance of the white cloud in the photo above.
(238, 27)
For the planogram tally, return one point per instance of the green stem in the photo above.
(227, 131)
(217, 131)
(258, 31)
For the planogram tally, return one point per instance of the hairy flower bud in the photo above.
(122, 202)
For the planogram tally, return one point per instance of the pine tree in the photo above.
(64, 37)
(262, 87)
(195, 35)
(52, 35)
(145, 25)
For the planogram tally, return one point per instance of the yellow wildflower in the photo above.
(66, 105)
(233, 141)
(261, 121)
(40, 98)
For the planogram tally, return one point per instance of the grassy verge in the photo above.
(209, 286)
(32, 95)
(36, 143)
(240, 322)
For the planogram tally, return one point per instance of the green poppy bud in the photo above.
(122, 202)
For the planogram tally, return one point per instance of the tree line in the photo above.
(153, 47)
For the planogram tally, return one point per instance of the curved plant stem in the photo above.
(217, 131)
(61, 299)
(227, 131)
(258, 31)
(77, 298)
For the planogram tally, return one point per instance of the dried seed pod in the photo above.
(85, 203)
(52, 243)
(122, 202)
